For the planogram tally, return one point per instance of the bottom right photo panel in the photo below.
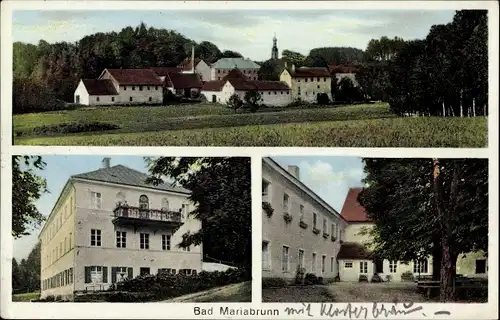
(352, 229)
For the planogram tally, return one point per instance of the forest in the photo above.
(445, 74)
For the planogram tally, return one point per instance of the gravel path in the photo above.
(375, 292)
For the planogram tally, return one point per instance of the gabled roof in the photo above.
(352, 210)
(163, 71)
(306, 72)
(183, 80)
(342, 69)
(213, 85)
(102, 87)
(186, 64)
(122, 175)
(235, 74)
(231, 63)
(135, 76)
(354, 251)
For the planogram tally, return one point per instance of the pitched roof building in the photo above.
(307, 83)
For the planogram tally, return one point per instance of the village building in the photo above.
(185, 85)
(200, 67)
(120, 86)
(163, 72)
(340, 72)
(223, 66)
(302, 230)
(273, 93)
(108, 225)
(306, 82)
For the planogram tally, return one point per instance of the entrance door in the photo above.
(379, 266)
(144, 271)
(77, 99)
(214, 98)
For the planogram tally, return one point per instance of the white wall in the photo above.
(218, 74)
(210, 266)
(276, 98)
(134, 92)
(218, 94)
(82, 92)
(204, 71)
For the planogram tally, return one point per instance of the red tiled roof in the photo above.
(235, 74)
(163, 71)
(271, 85)
(352, 211)
(305, 72)
(135, 76)
(102, 87)
(183, 80)
(354, 251)
(186, 64)
(214, 85)
(342, 69)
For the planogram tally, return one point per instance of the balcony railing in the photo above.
(146, 217)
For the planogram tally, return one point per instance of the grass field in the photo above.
(214, 125)
(25, 297)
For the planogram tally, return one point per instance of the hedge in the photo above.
(69, 128)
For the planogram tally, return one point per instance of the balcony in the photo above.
(126, 216)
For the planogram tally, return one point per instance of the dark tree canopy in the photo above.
(27, 187)
(269, 70)
(293, 57)
(231, 54)
(221, 192)
(26, 274)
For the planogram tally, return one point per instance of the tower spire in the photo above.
(274, 50)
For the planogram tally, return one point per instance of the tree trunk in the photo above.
(437, 255)
(448, 273)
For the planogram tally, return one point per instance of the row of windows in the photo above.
(61, 279)
(99, 274)
(299, 92)
(141, 88)
(249, 78)
(60, 250)
(312, 79)
(96, 201)
(328, 228)
(58, 220)
(121, 240)
(244, 71)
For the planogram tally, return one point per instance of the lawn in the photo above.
(25, 297)
(213, 125)
(297, 294)
(240, 292)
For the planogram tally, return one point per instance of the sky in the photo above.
(329, 177)
(57, 172)
(250, 33)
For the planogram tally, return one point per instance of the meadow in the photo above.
(370, 125)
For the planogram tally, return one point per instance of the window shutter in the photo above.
(104, 274)
(87, 275)
(113, 274)
(130, 273)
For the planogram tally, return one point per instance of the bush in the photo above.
(235, 102)
(322, 98)
(266, 206)
(69, 128)
(320, 280)
(273, 283)
(388, 278)
(299, 275)
(130, 297)
(376, 278)
(310, 279)
(407, 276)
(336, 279)
(363, 278)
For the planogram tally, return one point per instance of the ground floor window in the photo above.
(363, 267)
(144, 271)
(97, 99)
(301, 258)
(121, 273)
(332, 261)
(480, 266)
(113, 99)
(266, 262)
(323, 264)
(130, 98)
(96, 274)
(284, 259)
(420, 266)
(393, 266)
(348, 265)
(150, 99)
(313, 264)
(166, 271)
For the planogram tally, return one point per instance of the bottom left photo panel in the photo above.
(91, 228)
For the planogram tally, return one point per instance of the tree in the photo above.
(208, 52)
(26, 274)
(292, 57)
(16, 280)
(221, 191)
(417, 216)
(252, 98)
(235, 102)
(27, 188)
(231, 54)
(269, 71)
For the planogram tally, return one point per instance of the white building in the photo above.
(109, 224)
(342, 72)
(273, 93)
(223, 66)
(121, 87)
(200, 67)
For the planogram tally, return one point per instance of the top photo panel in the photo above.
(273, 78)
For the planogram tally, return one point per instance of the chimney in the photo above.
(106, 163)
(286, 64)
(293, 67)
(294, 171)
(192, 58)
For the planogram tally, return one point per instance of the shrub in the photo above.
(407, 276)
(336, 279)
(130, 297)
(234, 102)
(299, 275)
(69, 128)
(322, 98)
(266, 206)
(363, 278)
(376, 278)
(320, 280)
(252, 99)
(273, 283)
(310, 279)
(388, 278)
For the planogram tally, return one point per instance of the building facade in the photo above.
(108, 225)
(303, 231)
(306, 82)
(200, 67)
(223, 66)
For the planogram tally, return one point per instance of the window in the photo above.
(275, 93)
(144, 240)
(165, 242)
(130, 99)
(184, 209)
(301, 258)
(312, 79)
(269, 93)
(266, 262)
(97, 99)
(325, 229)
(70, 237)
(480, 266)
(334, 230)
(301, 212)
(121, 239)
(315, 219)
(150, 99)
(332, 261)
(313, 264)
(305, 80)
(112, 99)
(165, 206)
(143, 202)
(121, 273)
(96, 275)
(70, 275)
(265, 188)
(281, 92)
(140, 88)
(285, 202)
(287, 92)
(323, 264)
(218, 78)
(298, 92)
(318, 86)
(95, 237)
(149, 88)
(420, 266)
(133, 88)
(318, 81)
(95, 197)
(284, 259)
(363, 267)
(218, 71)
(156, 87)
(124, 88)
(393, 266)
(66, 244)
(324, 79)
(348, 265)
(144, 271)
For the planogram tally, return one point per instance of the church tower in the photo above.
(274, 51)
